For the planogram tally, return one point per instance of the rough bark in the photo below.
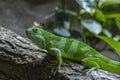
(22, 60)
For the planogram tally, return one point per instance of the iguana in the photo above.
(71, 49)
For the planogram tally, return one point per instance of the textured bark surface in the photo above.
(22, 60)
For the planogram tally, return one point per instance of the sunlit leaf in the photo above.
(61, 31)
(103, 3)
(99, 16)
(117, 20)
(88, 5)
(114, 44)
(92, 26)
(112, 15)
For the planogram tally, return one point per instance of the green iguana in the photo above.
(71, 49)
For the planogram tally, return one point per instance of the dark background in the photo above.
(18, 15)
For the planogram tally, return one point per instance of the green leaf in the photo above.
(99, 16)
(114, 44)
(92, 26)
(103, 3)
(117, 20)
(112, 15)
(88, 5)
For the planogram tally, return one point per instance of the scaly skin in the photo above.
(71, 49)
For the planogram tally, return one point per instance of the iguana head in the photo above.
(36, 35)
(34, 31)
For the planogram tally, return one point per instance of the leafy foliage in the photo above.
(95, 17)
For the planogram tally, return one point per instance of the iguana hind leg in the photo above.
(90, 62)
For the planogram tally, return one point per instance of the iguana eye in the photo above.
(35, 30)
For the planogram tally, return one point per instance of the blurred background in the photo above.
(18, 15)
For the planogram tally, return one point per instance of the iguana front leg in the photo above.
(57, 53)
